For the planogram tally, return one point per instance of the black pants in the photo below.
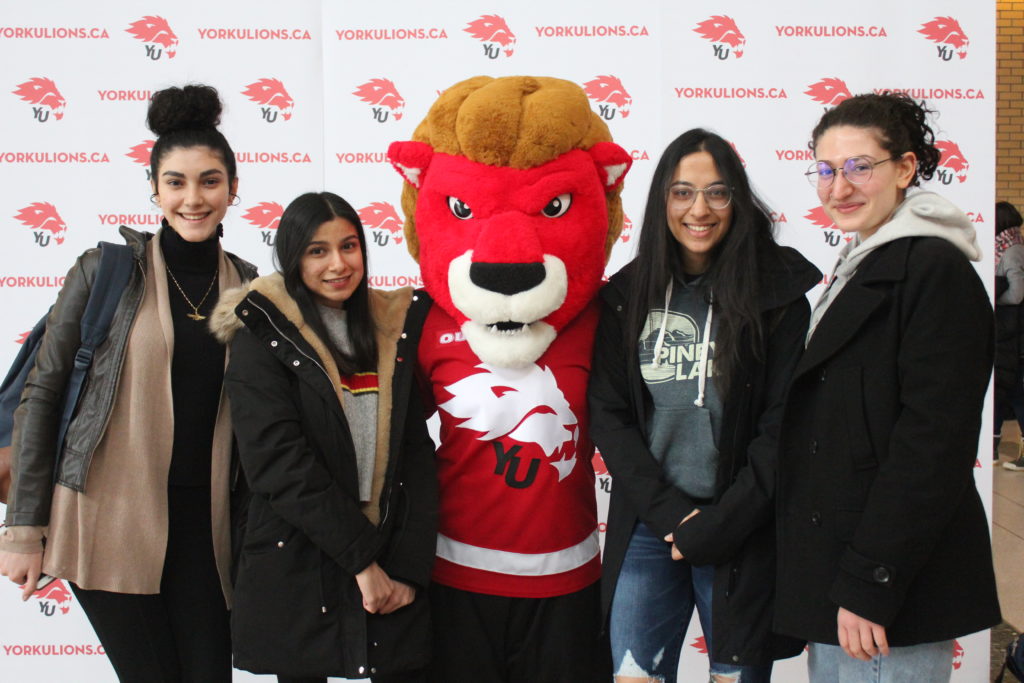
(415, 677)
(493, 639)
(180, 635)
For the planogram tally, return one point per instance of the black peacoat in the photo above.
(877, 508)
(298, 610)
(736, 532)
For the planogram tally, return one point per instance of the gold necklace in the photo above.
(195, 315)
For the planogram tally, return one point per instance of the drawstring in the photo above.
(664, 323)
(702, 374)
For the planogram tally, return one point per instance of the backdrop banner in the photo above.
(315, 90)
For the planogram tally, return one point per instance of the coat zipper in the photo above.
(386, 493)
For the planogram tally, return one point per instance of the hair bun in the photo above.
(192, 107)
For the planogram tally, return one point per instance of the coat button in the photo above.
(399, 359)
(245, 311)
(323, 609)
(274, 343)
(816, 518)
(362, 669)
(375, 643)
(295, 363)
(735, 658)
(373, 669)
(814, 447)
(823, 374)
(881, 575)
(280, 544)
(415, 298)
(404, 335)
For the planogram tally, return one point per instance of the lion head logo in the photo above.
(155, 30)
(829, 91)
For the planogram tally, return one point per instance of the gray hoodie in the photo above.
(923, 214)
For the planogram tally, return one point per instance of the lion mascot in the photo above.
(512, 205)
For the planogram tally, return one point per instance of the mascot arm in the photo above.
(616, 433)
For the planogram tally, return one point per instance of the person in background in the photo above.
(340, 530)
(884, 551)
(138, 521)
(697, 338)
(1009, 374)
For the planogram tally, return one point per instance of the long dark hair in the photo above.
(187, 117)
(902, 122)
(732, 276)
(299, 222)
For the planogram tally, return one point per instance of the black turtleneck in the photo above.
(197, 369)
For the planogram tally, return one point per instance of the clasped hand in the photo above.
(23, 569)
(382, 594)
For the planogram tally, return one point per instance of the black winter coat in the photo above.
(877, 507)
(736, 532)
(298, 610)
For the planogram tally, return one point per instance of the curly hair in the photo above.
(901, 122)
(187, 117)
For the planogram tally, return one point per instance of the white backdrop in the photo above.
(315, 90)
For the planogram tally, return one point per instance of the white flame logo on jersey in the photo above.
(524, 404)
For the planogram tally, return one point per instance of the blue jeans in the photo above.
(653, 602)
(925, 663)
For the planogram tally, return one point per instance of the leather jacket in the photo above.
(38, 415)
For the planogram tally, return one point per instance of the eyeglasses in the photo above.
(716, 196)
(857, 170)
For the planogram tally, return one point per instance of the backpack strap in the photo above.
(14, 383)
(108, 285)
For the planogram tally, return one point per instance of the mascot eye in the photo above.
(459, 208)
(558, 206)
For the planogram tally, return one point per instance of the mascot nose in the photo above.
(506, 278)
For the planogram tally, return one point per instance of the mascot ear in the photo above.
(612, 163)
(411, 159)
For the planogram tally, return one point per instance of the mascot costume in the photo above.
(512, 205)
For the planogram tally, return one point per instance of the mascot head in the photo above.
(512, 206)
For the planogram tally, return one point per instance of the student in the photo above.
(340, 529)
(698, 336)
(1008, 378)
(884, 553)
(138, 521)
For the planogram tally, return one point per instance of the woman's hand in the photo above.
(676, 555)
(860, 638)
(23, 569)
(376, 587)
(403, 595)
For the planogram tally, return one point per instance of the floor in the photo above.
(1008, 529)
(1008, 542)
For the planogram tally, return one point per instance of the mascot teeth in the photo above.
(507, 327)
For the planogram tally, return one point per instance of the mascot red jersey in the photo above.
(512, 206)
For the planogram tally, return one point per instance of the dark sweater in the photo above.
(197, 368)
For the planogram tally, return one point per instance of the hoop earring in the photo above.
(235, 200)
(154, 199)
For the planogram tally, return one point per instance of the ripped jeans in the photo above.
(651, 609)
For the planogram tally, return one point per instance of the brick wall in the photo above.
(1010, 102)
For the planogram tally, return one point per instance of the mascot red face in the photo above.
(512, 205)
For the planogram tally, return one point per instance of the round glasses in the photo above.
(856, 170)
(716, 196)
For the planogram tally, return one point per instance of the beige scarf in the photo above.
(113, 537)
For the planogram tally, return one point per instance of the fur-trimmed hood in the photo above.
(388, 308)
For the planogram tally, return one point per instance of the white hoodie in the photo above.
(923, 214)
